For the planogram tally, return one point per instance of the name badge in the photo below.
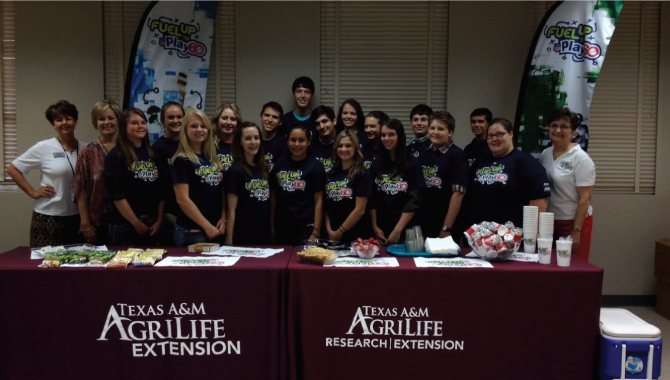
(59, 154)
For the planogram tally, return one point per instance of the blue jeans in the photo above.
(184, 237)
(125, 235)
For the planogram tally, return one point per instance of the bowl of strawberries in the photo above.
(365, 249)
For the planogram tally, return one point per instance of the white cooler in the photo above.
(630, 347)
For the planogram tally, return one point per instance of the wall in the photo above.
(279, 41)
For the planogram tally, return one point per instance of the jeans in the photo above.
(125, 235)
(184, 237)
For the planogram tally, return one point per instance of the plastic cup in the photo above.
(410, 238)
(544, 250)
(563, 253)
(529, 243)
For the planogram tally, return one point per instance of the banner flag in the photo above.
(170, 58)
(567, 54)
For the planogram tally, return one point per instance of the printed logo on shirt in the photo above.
(491, 174)
(547, 189)
(326, 162)
(291, 181)
(145, 170)
(226, 160)
(471, 161)
(430, 176)
(566, 165)
(268, 162)
(391, 185)
(415, 154)
(209, 174)
(367, 164)
(338, 190)
(258, 188)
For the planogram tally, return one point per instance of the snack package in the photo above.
(203, 247)
(492, 240)
(123, 258)
(51, 260)
(99, 259)
(148, 258)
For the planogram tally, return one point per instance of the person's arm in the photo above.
(191, 210)
(47, 191)
(540, 203)
(318, 215)
(584, 194)
(332, 235)
(124, 209)
(394, 237)
(232, 208)
(353, 218)
(452, 213)
(88, 229)
(379, 234)
(221, 224)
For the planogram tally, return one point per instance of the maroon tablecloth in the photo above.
(96, 323)
(515, 321)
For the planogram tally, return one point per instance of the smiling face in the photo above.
(478, 125)
(270, 119)
(439, 133)
(499, 140)
(325, 126)
(389, 138)
(372, 127)
(298, 143)
(346, 150)
(196, 132)
(227, 122)
(64, 125)
(107, 124)
(251, 141)
(136, 129)
(302, 97)
(172, 120)
(561, 132)
(349, 116)
(420, 124)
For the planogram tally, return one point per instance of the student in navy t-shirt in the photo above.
(303, 91)
(399, 184)
(446, 174)
(248, 189)
(351, 117)
(501, 184)
(420, 118)
(131, 178)
(373, 126)
(197, 175)
(348, 189)
(321, 148)
(296, 184)
(165, 147)
(274, 143)
(226, 119)
(480, 119)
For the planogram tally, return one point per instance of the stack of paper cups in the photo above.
(530, 218)
(547, 225)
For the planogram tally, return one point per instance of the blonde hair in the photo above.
(100, 107)
(208, 146)
(217, 113)
(357, 164)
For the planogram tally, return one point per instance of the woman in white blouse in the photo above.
(572, 175)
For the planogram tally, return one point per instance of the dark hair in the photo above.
(64, 108)
(565, 113)
(126, 148)
(357, 166)
(379, 115)
(168, 105)
(299, 125)
(483, 112)
(360, 121)
(503, 122)
(275, 106)
(238, 152)
(305, 82)
(322, 110)
(446, 118)
(420, 109)
(400, 151)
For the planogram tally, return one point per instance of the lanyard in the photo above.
(67, 156)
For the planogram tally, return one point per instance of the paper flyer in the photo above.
(355, 262)
(260, 253)
(190, 261)
(526, 257)
(457, 262)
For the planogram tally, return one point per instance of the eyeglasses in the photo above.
(498, 135)
(563, 127)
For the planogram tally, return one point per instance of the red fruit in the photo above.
(360, 240)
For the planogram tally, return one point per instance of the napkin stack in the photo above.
(442, 246)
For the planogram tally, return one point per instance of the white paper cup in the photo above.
(529, 244)
(544, 250)
(563, 253)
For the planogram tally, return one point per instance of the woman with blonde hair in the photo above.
(225, 121)
(197, 175)
(89, 181)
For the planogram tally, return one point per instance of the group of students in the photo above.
(323, 175)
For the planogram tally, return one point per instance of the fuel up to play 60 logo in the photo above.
(408, 328)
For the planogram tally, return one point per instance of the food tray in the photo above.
(399, 250)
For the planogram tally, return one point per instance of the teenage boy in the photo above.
(274, 144)
(303, 90)
(480, 119)
(420, 118)
(321, 147)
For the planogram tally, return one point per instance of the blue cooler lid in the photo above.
(621, 324)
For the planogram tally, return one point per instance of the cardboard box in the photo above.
(662, 274)
(203, 247)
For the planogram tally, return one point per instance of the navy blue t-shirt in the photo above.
(223, 150)
(289, 118)
(341, 193)
(295, 183)
(140, 183)
(205, 188)
(475, 150)
(417, 145)
(274, 148)
(391, 194)
(252, 214)
(498, 188)
(443, 173)
(322, 152)
(164, 149)
(369, 155)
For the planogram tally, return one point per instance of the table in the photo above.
(514, 321)
(95, 323)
